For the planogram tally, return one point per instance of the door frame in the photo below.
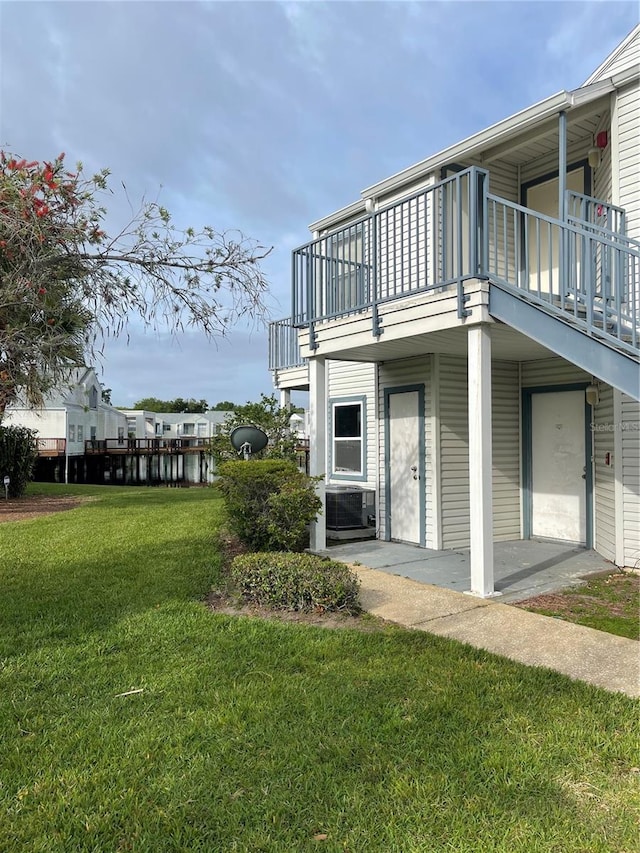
(527, 456)
(404, 389)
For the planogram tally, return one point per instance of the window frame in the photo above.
(338, 402)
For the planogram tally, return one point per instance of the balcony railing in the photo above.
(284, 350)
(454, 230)
(51, 446)
(146, 445)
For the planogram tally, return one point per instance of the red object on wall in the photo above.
(602, 139)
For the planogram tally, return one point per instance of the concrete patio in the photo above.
(522, 568)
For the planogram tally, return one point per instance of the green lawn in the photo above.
(247, 735)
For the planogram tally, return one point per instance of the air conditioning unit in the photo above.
(349, 507)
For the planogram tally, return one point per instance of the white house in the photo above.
(83, 439)
(469, 331)
(70, 416)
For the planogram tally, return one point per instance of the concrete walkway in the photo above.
(603, 660)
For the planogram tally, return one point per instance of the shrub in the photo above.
(18, 456)
(269, 503)
(295, 582)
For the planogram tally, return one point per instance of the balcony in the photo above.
(433, 246)
(146, 446)
(51, 446)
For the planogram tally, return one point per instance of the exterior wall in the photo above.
(415, 371)
(49, 423)
(454, 448)
(619, 60)
(551, 371)
(454, 451)
(631, 481)
(604, 492)
(346, 379)
(628, 154)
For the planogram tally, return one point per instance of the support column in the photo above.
(562, 165)
(480, 461)
(317, 445)
(285, 398)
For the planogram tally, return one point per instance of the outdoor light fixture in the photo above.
(592, 394)
(594, 157)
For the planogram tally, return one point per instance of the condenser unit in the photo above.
(349, 507)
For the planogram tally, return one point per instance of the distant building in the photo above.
(82, 439)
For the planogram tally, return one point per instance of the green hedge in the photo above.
(270, 503)
(18, 456)
(295, 582)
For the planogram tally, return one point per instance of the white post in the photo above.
(285, 398)
(480, 461)
(317, 445)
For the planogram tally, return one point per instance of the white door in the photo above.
(543, 238)
(558, 474)
(405, 476)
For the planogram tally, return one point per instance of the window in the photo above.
(202, 430)
(120, 435)
(93, 397)
(94, 433)
(80, 432)
(188, 429)
(166, 427)
(72, 432)
(348, 439)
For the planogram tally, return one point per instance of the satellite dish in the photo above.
(248, 439)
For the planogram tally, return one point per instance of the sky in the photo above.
(266, 116)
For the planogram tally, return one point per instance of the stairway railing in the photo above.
(578, 270)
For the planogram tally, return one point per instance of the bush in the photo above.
(269, 503)
(18, 456)
(295, 582)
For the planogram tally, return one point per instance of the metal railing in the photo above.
(429, 240)
(454, 230)
(585, 210)
(284, 349)
(588, 272)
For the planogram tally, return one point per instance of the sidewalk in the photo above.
(595, 657)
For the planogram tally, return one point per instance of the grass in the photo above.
(251, 735)
(608, 602)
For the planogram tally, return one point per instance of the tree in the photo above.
(190, 406)
(65, 283)
(224, 406)
(268, 416)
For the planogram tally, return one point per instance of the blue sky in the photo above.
(265, 116)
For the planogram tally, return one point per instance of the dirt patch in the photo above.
(19, 509)
(219, 602)
(609, 597)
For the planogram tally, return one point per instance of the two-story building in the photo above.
(469, 331)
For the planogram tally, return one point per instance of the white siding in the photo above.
(601, 176)
(505, 416)
(631, 480)
(416, 371)
(356, 379)
(454, 448)
(628, 113)
(619, 60)
(604, 475)
(551, 371)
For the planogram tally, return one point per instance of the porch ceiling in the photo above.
(506, 345)
(543, 140)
